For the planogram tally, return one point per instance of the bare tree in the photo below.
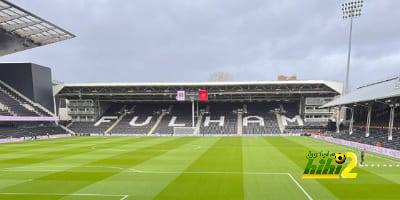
(220, 77)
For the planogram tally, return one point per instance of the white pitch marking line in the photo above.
(298, 184)
(245, 173)
(123, 196)
(135, 170)
(173, 172)
(54, 166)
(199, 172)
(104, 167)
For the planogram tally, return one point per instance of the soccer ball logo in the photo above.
(340, 158)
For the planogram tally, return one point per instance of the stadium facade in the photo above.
(239, 108)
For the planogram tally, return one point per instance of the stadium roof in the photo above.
(337, 86)
(261, 90)
(385, 89)
(21, 30)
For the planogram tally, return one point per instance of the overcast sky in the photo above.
(186, 40)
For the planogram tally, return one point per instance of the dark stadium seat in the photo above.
(134, 121)
(89, 127)
(216, 111)
(16, 106)
(378, 129)
(181, 112)
(266, 111)
(142, 111)
(30, 130)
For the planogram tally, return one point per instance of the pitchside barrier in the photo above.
(42, 137)
(375, 149)
(182, 133)
(185, 134)
(185, 130)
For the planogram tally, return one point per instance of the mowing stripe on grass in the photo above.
(87, 153)
(359, 187)
(211, 186)
(374, 163)
(188, 168)
(260, 156)
(120, 197)
(39, 145)
(62, 151)
(22, 146)
(58, 182)
(27, 177)
(145, 185)
(298, 184)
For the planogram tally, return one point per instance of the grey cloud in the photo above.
(179, 40)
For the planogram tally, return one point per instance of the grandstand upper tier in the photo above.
(21, 30)
(373, 116)
(263, 107)
(218, 91)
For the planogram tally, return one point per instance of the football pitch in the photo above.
(127, 168)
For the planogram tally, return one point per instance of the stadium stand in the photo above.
(4, 110)
(378, 130)
(180, 115)
(290, 110)
(216, 118)
(92, 127)
(21, 30)
(377, 135)
(220, 112)
(29, 130)
(16, 106)
(269, 123)
(140, 120)
(224, 111)
(382, 99)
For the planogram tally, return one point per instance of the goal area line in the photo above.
(119, 196)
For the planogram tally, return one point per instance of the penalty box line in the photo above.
(121, 196)
(244, 173)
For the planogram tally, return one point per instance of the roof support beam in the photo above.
(44, 38)
(21, 25)
(54, 39)
(11, 17)
(18, 26)
(4, 7)
(338, 119)
(368, 120)
(33, 32)
(351, 120)
(391, 120)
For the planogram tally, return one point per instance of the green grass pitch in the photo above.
(127, 168)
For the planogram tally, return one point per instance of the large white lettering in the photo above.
(254, 120)
(220, 121)
(133, 121)
(105, 119)
(172, 123)
(297, 118)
